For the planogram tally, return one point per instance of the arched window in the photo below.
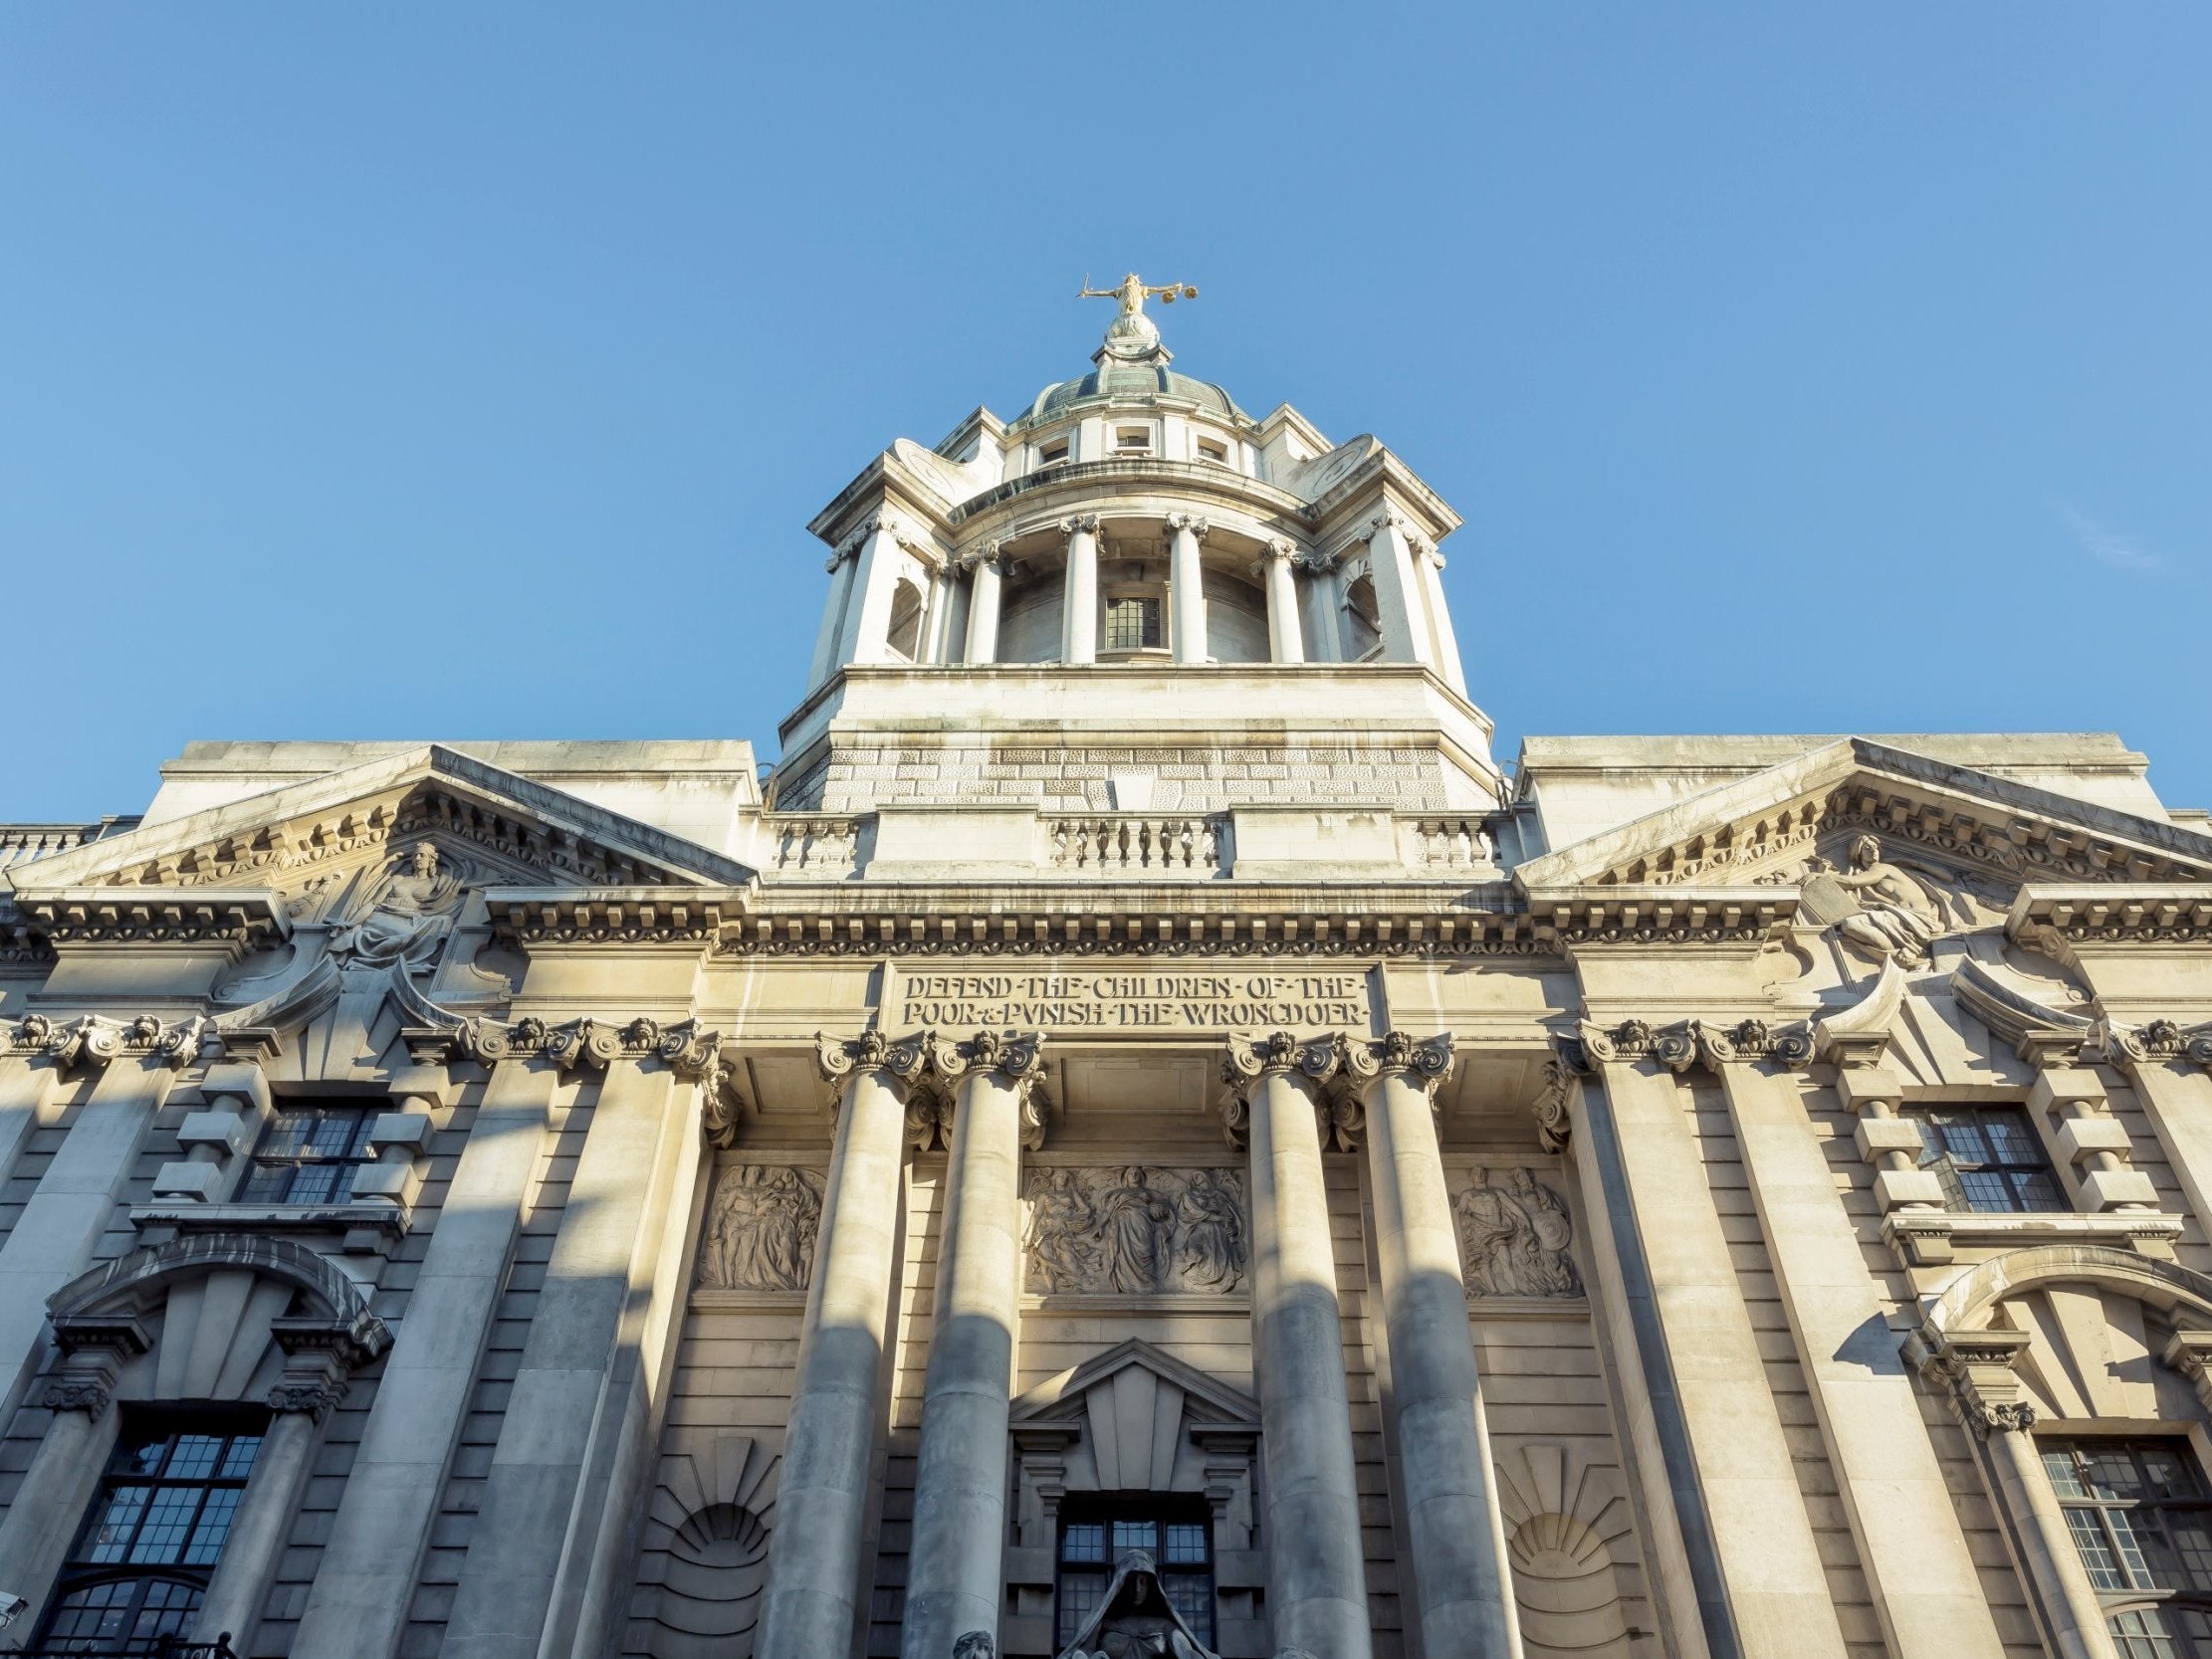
(905, 634)
(1363, 620)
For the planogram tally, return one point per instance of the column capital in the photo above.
(2155, 1041)
(1190, 524)
(1977, 1367)
(1428, 1059)
(95, 1349)
(1078, 524)
(983, 554)
(837, 1057)
(1313, 1060)
(1281, 547)
(1018, 1057)
(1686, 1043)
(1389, 519)
(1555, 1124)
(95, 1040)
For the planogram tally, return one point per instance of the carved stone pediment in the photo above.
(1977, 833)
(309, 841)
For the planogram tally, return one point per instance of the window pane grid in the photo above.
(1179, 1545)
(1987, 1160)
(2141, 1516)
(310, 1155)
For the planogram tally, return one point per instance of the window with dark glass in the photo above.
(1132, 624)
(1986, 1158)
(143, 1561)
(309, 1155)
(1179, 1537)
(2141, 1518)
(1363, 618)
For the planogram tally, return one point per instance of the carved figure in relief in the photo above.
(1135, 1619)
(1515, 1240)
(410, 912)
(1062, 1224)
(1891, 911)
(1213, 1232)
(761, 1230)
(1135, 1231)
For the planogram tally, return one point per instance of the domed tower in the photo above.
(1206, 609)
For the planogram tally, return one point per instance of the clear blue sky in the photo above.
(473, 372)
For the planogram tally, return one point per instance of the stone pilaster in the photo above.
(954, 1568)
(1460, 1578)
(814, 1586)
(1316, 1575)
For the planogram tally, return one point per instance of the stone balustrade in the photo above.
(1449, 842)
(816, 844)
(1130, 843)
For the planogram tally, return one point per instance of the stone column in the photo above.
(49, 1505)
(982, 606)
(875, 573)
(1079, 597)
(1187, 587)
(1430, 564)
(1926, 1590)
(1460, 1580)
(839, 566)
(1285, 639)
(357, 1607)
(1773, 1593)
(813, 1582)
(539, 1509)
(1977, 1368)
(1397, 604)
(51, 1240)
(1316, 1573)
(956, 1564)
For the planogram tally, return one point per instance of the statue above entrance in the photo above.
(1135, 1619)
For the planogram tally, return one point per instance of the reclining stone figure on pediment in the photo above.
(1135, 1619)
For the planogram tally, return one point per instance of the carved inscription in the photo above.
(1207, 1001)
(1136, 1230)
(1515, 1238)
(761, 1228)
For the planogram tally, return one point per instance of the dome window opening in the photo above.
(1133, 624)
(1133, 440)
(1215, 451)
(1053, 452)
(1363, 620)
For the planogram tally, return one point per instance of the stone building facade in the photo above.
(1137, 1137)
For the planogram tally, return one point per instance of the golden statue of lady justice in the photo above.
(1132, 336)
(1132, 293)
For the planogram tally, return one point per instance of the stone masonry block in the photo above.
(237, 1079)
(1862, 1084)
(226, 1130)
(2105, 1189)
(401, 1129)
(1897, 1187)
(2062, 1086)
(1876, 1135)
(198, 1184)
(2078, 1137)
(384, 1180)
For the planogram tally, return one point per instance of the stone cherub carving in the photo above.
(1135, 1620)
(761, 1230)
(1883, 908)
(411, 911)
(1516, 1239)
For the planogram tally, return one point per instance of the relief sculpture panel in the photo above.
(1136, 1230)
(1515, 1238)
(761, 1228)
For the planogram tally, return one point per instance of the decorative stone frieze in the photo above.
(761, 1228)
(1136, 1230)
(1516, 1238)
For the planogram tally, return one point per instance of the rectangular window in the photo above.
(1986, 1158)
(156, 1529)
(310, 1155)
(1133, 440)
(2141, 1518)
(1052, 451)
(1094, 1535)
(1214, 450)
(1132, 624)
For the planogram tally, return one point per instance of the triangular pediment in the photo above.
(292, 839)
(1764, 830)
(1069, 1395)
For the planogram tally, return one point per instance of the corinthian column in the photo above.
(982, 605)
(959, 1482)
(1285, 639)
(1079, 596)
(1316, 1577)
(1187, 587)
(814, 1550)
(1451, 1507)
